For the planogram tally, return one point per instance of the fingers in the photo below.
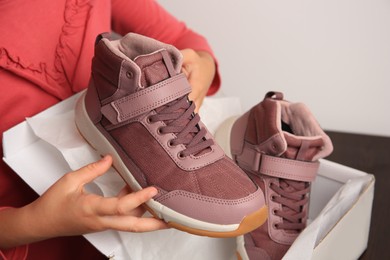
(91, 171)
(135, 199)
(125, 205)
(125, 213)
(197, 96)
(198, 92)
(124, 191)
(185, 71)
(134, 224)
(199, 68)
(189, 55)
(137, 212)
(198, 104)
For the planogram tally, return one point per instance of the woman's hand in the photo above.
(199, 67)
(67, 209)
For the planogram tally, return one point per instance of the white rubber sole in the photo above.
(96, 139)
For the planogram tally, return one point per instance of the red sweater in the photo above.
(46, 49)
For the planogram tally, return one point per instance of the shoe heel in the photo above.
(223, 133)
(230, 134)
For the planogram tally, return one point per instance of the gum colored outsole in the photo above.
(248, 224)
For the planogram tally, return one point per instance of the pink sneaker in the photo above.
(278, 144)
(136, 109)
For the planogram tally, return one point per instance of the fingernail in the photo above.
(105, 158)
(153, 192)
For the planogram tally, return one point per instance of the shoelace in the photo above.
(180, 119)
(292, 197)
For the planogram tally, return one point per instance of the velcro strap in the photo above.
(278, 167)
(147, 99)
(288, 168)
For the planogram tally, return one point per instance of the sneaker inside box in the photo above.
(341, 196)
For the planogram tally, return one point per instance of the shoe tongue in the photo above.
(155, 67)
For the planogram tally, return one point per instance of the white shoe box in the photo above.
(340, 209)
(342, 195)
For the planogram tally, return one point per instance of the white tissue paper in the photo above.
(48, 145)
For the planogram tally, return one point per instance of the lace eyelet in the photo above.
(129, 74)
(272, 197)
(170, 143)
(159, 130)
(275, 225)
(149, 120)
(180, 155)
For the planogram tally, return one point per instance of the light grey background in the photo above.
(333, 55)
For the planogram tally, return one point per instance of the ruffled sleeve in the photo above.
(53, 46)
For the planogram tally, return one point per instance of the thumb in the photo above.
(185, 70)
(195, 88)
(91, 171)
